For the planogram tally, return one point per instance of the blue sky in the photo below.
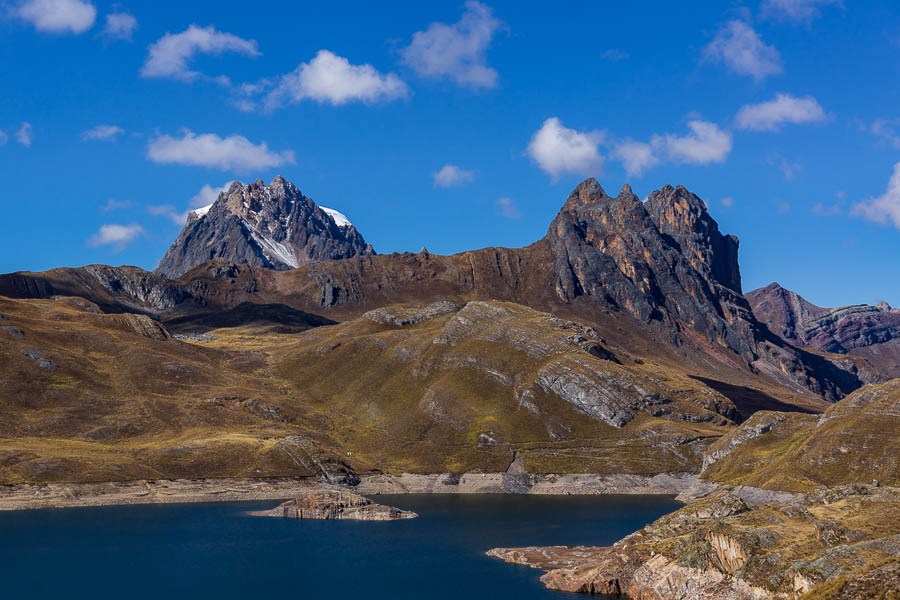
(782, 115)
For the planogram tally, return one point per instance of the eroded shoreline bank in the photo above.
(170, 491)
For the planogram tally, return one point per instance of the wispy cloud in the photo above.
(452, 175)
(208, 194)
(803, 11)
(168, 211)
(788, 168)
(739, 47)
(884, 208)
(233, 153)
(507, 208)
(170, 56)
(23, 135)
(613, 55)
(115, 205)
(119, 26)
(105, 133)
(330, 79)
(636, 157)
(884, 129)
(457, 52)
(117, 236)
(57, 16)
(783, 109)
(557, 149)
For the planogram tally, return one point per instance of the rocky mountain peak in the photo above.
(273, 226)
(587, 192)
(665, 262)
(682, 215)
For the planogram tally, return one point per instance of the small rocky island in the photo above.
(335, 504)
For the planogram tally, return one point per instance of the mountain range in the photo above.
(618, 351)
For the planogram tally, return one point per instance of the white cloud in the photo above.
(208, 194)
(456, 51)
(884, 129)
(119, 26)
(169, 56)
(636, 157)
(507, 208)
(727, 201)
(168, 211)
(451, 175)
(795, 10)
(884, 208)
(558, 149)
(105, 133)
(329, 78)
(3, 138)
(784, 109)
(740, 48)
(57, 16)
(23, 135)
(234, 153)
(115, 205)
(117, 236)
(705, 144)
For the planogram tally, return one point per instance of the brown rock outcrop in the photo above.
(335, 504)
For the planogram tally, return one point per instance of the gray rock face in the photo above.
(273, 226)
(665, 262)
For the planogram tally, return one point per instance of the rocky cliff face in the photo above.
(869, 332)
(665, 262)
(273, 226)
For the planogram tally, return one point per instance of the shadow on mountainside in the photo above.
(278, 317)
(748, 400)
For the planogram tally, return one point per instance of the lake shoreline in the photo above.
(171, 491)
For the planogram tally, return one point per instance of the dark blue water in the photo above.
(214, 551)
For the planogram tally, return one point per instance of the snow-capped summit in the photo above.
(273, 226)
(199, 212)
(340, 219)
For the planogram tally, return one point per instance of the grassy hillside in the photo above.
(89, 396)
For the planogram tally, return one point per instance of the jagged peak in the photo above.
(626, 191)
(588, 191)
(670, 195)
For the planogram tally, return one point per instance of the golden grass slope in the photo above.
(856, 440)
(87, 396)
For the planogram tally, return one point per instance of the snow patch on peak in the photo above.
(201, 212)
(339, 218)
(275, 251)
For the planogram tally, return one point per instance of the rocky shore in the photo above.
(845, 539)
(162, 491)
(335, 504)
